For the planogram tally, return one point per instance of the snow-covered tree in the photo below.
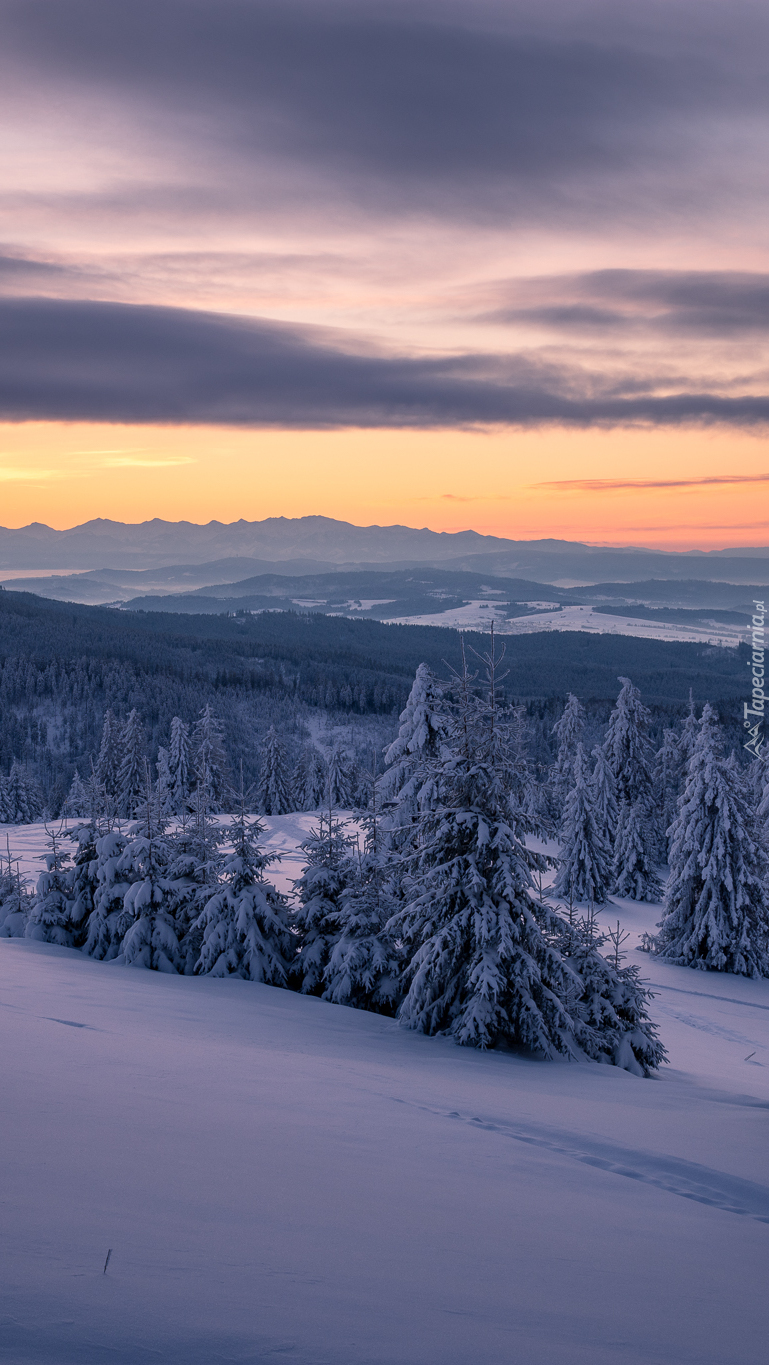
(15, 900)
(108, 920)
(274, 787)
(686, 742)
(84, 879)
(715, 916)
(79, 799)
(604, 796)
(107, 769)
(195, 875)
(50, 919)
(364, 967)
(132, 776)
(21, 798)
(309, 781)
(610, 1007)
(151, 939)
(210, 763)
(626, 745)
(423, 725)
(163, 783)
(318, 916)
(628, 754)
(759, 786)
(338, 780)
(633, 868)
(245, 925)
(568, 732)
(180, 765)
(584, 873)
(408, 784)
(666, 783)
(483, 963)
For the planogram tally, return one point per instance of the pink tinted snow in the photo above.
(277, 1176)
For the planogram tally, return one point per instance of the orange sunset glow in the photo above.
(496, 301)
(64, 474)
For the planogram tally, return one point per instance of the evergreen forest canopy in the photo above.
(439, 915)
(62, 666)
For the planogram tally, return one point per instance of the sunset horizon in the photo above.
(384, 773)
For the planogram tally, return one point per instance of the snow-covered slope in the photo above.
(282, 1178)
(478, 615)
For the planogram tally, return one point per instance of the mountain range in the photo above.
(162, 556)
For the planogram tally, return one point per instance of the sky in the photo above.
(500, 265)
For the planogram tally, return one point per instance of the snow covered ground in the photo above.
(279, 1178)
(479, 615)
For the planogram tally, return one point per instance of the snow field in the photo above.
(279, 1177)
(478, 615)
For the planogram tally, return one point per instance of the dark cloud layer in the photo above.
(488, 108)
(124, 363)
(677, 303)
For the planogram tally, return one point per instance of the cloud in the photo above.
(28, 474)
(611, 485)
(476, 110)
(110, 362)
(721, 304)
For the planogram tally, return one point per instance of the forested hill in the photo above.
(310, 652)
(63, 665)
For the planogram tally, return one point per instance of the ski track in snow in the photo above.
(684, 1178)
(280, 1178)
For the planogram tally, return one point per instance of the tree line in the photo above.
(433, 906)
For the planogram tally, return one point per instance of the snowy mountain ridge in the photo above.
(106, 544)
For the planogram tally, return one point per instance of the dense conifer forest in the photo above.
(62, 666)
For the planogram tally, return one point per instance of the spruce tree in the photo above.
(108, 920)
(180, 765)
(195, 875)
(79, 799)
(715, 909)
(50, 919)
(23, 805)
(107, 769)
(151, 939)
(584, 873)
(483, 964)
(666, 782)
(422, 728)
(604, 797)
(15, 900)
(338, 781)
(245, 925)
(760, 775)
(309, 781)
(568, 731)
(84, 880)
(626, 745)
(610, 1006)
(274, 787)
(686, 743)
(318, 891)
(633, 871)
(628, 754)
(163, 787)
(132, 777)
(365, 963)
(210, 763)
